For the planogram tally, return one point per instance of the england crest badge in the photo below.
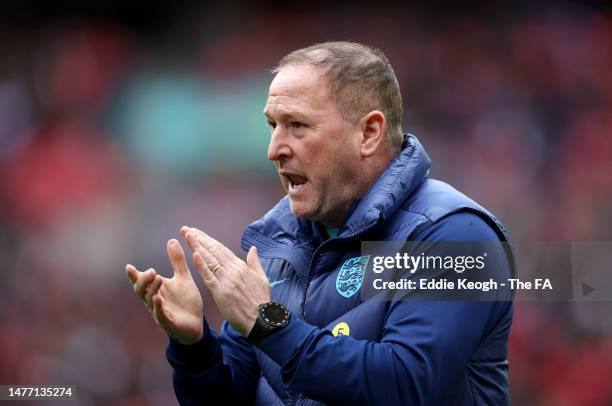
(351, 274)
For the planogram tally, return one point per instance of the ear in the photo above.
(372, 127)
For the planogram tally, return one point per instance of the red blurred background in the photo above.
(120, 122)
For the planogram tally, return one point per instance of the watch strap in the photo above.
(258, 332)
(262, 329)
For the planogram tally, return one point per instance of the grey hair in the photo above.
(361, 79)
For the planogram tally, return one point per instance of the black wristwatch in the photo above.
(271, 317)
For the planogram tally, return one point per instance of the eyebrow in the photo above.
(284, 115)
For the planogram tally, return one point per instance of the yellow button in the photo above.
(341, 329)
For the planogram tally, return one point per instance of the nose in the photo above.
(279, 148)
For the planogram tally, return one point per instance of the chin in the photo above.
(303, 211)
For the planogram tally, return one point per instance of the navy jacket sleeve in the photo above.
(223, 367)
(424, 349)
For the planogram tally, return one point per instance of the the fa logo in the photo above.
(350, 276)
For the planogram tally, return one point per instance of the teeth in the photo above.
(296, 180)
(295, 187)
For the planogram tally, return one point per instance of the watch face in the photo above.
(275, 314)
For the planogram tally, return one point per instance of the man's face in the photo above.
(316, 151)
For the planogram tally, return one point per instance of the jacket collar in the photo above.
(392, 188)
(403, 175)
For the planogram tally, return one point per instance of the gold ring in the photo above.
(215, 268)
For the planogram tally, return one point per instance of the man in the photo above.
(335, 115)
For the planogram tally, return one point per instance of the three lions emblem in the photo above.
(351, 274)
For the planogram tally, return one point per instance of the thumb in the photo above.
(253, 261)
(177, 259)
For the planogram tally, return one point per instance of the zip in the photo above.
(293, 399)
(362, 229)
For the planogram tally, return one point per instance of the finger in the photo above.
(177, 258)
(132, 273)
(185, 230)
(223, 254)
(196, 243)
(209, 278)
(253, 261)
(223, 250)
(193, 241)
(143, 282)
(153, 289)
(158, 309)
(211, 262)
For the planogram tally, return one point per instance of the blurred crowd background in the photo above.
(121, 122)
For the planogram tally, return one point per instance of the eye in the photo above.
(297, 124)
(272, 124)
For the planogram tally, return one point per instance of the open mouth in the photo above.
(296, 182)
